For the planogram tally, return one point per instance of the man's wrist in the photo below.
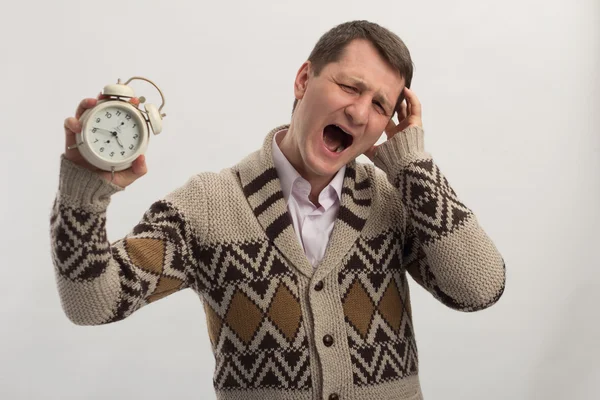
(400, 150)
(84, 189)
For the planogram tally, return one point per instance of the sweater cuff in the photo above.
(403, 148)
(81, 188)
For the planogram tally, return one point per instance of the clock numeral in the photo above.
(108, 115)
(128, 116)
(118, 113)
(94, 130)
(130, 147)
(122, 153)
(136, 136)
(97, 119)
(95, 140)
(134, 125)
(112, 153)
(101, 149)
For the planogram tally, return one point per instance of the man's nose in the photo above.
(358, 111)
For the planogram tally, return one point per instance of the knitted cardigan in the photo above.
(279, 328)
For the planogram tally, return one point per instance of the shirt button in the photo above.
(334, 396)
(328, 340)
(319, 286)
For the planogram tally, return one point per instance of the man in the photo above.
(299, 253)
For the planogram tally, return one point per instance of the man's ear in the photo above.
(301, 81)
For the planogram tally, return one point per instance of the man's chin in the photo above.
(326, 170)
(322, 166)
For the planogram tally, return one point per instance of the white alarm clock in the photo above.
(115, 132)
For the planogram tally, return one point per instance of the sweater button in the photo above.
(319, 286)
(334, 396)
(328, 341)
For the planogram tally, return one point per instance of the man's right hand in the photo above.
(73, 126)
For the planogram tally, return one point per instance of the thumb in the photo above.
(137, 170)
(139, 167)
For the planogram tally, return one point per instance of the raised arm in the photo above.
(101, 282)
(445, 249)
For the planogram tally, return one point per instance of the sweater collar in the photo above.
(262, 189)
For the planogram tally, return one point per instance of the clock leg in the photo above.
(73, 146)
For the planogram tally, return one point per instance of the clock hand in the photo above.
(105, 130)
(118, 141)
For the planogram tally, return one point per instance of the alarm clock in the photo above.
(115, 132)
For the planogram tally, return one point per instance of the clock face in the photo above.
(114, 133)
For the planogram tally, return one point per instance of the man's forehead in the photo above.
(388, 86)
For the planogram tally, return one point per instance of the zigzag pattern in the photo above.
(248, 261)
(154, 259)
(254, 317)
(433, 205)
(80, 248)
(377, 364)
(270, 369)
(377, 310)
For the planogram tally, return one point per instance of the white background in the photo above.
(510, 91)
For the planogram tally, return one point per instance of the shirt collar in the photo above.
(288, 174)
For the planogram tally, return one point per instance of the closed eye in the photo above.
(380, 107)
(352, 89)
(349, 88)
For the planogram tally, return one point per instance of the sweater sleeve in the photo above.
(101, 282)
(445, 249)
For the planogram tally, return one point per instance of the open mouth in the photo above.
(335, 139)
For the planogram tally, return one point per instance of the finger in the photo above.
(139, 167)
(408, 104)
(413, 103)
(402, 112)
(403, 117)
(84, 105)
(72, 126)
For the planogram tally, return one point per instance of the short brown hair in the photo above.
(330, 48)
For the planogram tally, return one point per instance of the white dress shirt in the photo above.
(312, 225)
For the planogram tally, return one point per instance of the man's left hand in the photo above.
(409, 114)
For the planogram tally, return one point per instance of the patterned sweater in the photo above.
(280, 329)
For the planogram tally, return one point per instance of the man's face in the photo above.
(343, 111)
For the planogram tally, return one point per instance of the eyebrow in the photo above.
(359, 83)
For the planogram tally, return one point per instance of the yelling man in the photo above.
(299, 254)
